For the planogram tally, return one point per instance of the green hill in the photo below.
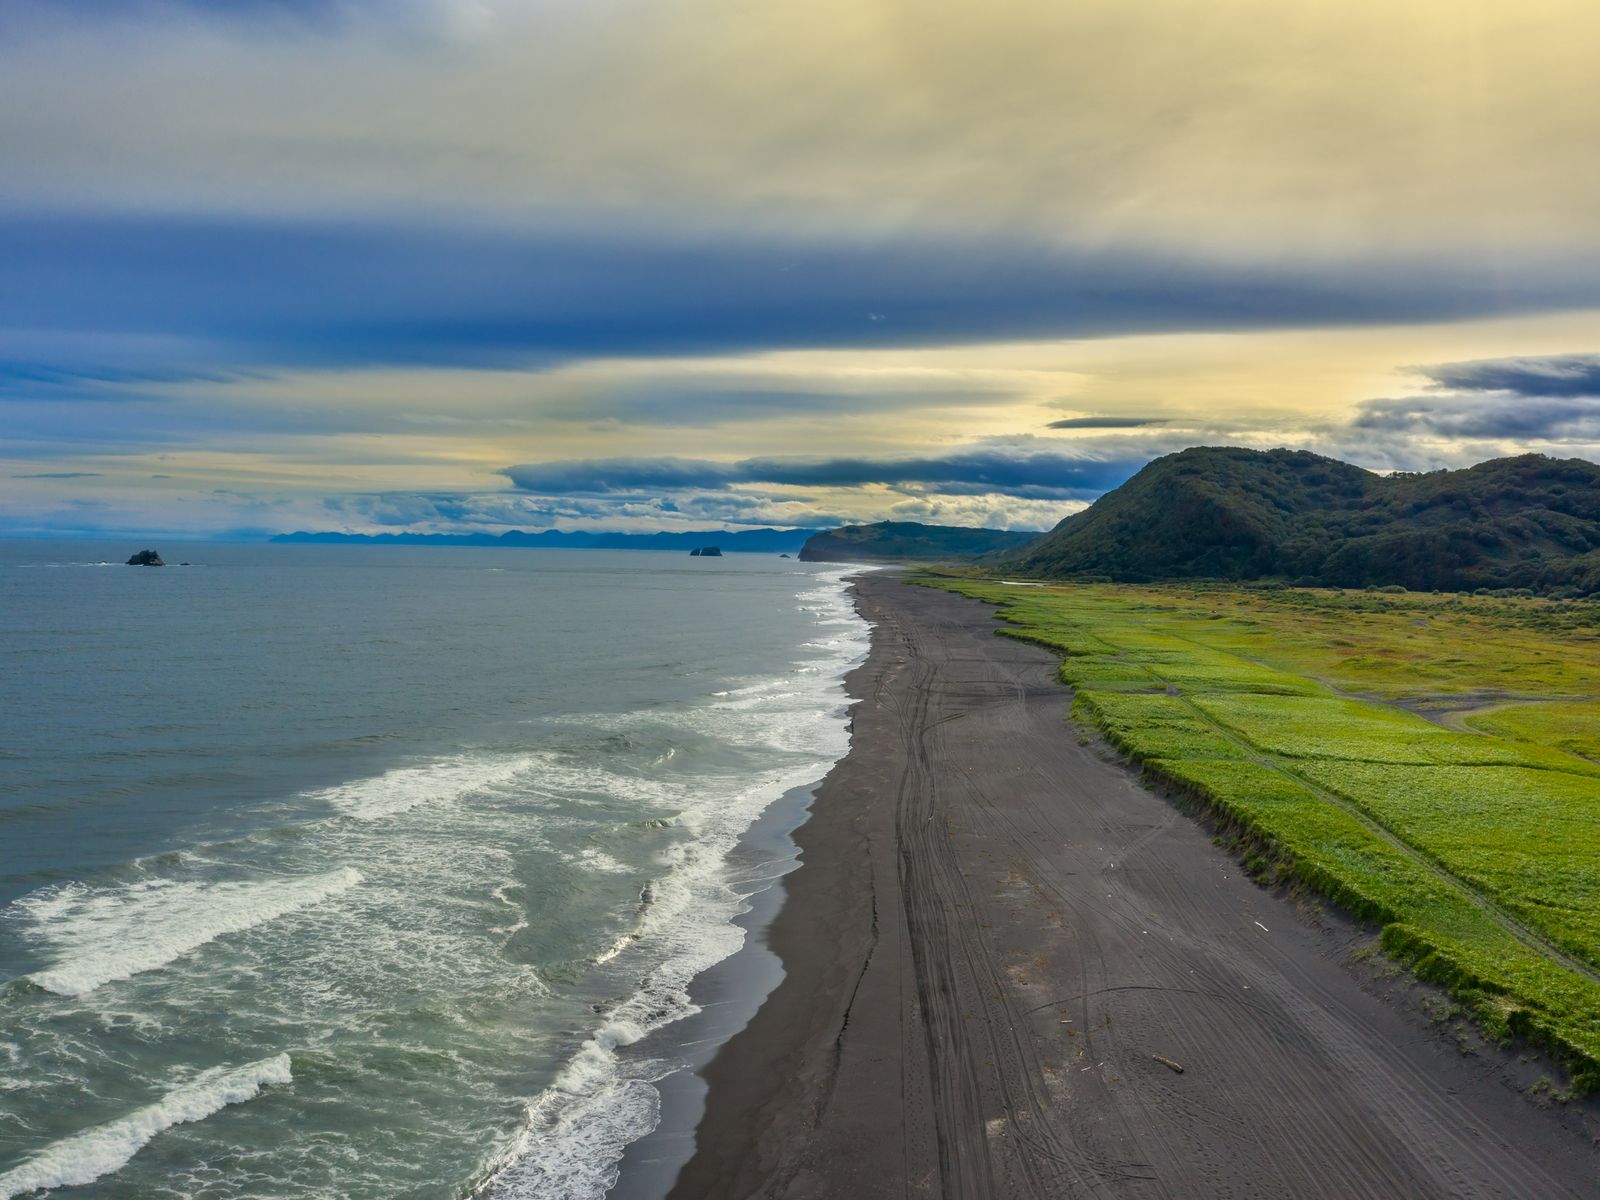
(890, 541)
(1228, 513)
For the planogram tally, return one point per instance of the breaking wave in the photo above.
(85, 1157)
(103, 934)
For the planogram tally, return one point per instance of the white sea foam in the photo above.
(85, 1157)
(12, 1054)
(578, 1128)
(443, 780)
(598, 861)
(519, 920)
(669, 796)
(569, 782)
(102, 934)
(616, 947)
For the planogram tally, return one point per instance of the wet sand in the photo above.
(995, 933)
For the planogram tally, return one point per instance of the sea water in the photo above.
(371, 871)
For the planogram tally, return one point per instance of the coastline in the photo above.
(726, 995)
(996, 944)
(619, 1115)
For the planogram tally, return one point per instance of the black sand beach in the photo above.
(999, 948)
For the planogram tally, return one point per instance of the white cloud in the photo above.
(1260, 129)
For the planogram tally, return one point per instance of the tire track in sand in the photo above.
(993, 933)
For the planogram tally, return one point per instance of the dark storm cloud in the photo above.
(1105, 422)
(1552, 375)
(278, 294)
(1490, 415)
(28, 378)
(1544, 398)
(976, 472)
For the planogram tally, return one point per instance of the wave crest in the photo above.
(85, 1157)
(104, 934)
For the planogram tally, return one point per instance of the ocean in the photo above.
(344, 871)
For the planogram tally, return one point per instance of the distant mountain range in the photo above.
(907, 540)
(1219, 512)
(750, 541)
(1232, 514)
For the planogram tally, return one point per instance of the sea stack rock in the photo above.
(146, 558)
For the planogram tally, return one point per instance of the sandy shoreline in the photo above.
(994, 934)
(727, 996)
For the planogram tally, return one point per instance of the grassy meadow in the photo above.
(1431, 763)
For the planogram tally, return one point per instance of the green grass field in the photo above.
(1573, 726)
(1430, 763)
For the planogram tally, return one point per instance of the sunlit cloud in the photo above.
(1255, 128)
(443, 264)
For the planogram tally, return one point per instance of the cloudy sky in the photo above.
(632, 264)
